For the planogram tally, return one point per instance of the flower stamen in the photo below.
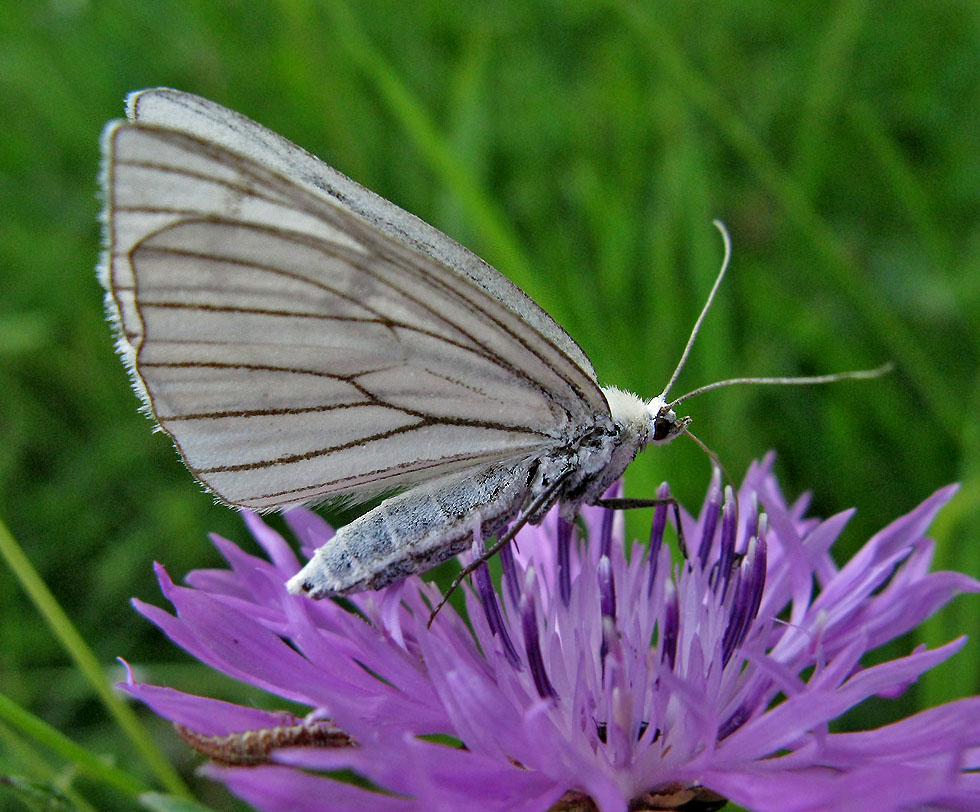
(532, 642)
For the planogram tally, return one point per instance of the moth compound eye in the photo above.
(662, 427)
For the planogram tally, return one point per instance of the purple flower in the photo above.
(594, 678)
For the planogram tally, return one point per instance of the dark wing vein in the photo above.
(472, 342)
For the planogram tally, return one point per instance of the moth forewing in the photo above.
(295, 350)
(213, 124)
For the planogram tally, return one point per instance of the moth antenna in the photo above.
(707, 305)
(798, 381)
(805, 380)
(717, 461)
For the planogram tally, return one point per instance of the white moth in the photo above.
(301, 339)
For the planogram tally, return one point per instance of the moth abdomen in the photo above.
(413, 531)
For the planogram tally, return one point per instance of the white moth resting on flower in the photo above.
(301, 340)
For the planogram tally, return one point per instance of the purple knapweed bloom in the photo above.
(594, 678)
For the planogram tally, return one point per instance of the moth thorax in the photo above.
(629, 412)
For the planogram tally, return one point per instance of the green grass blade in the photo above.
(88, 665)
(486, 216)
(87, 762)
(157, 802)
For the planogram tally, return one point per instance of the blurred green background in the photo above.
(583, 149)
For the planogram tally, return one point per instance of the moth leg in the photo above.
(627, 503)
(633, 504)
(543, 499)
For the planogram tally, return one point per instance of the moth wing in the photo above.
(297, 351)
(218, 125)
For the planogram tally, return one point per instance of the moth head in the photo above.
(643, 422)
(663, 423)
